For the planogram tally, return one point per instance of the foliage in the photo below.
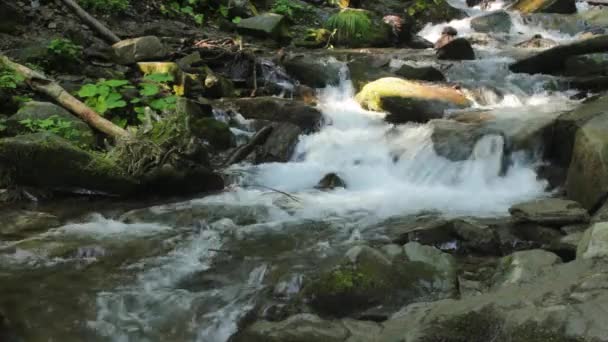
(105, 6)
(65, 48)
(350, 24)
(420, 6)
(9, 79)
(53, 124)
(2, 124)
(189, 7)
(290, 9)
(106, 98)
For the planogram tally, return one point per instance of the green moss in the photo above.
(356, 28)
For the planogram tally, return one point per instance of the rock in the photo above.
(498, 21)
(437, 12)
(267, 25)
(594, 243)
(524, 266)
(65, 165)
(550, 211)
(392, 251)
(554, 59)
(20, 223)
(408, 101)
(566, 127)
(427, 73)
(587, 180)
(171, 68)
(298, 113)
(365, 69)
(217, 86)
(140, 49)
(546, 6)
(457, 49)
(10, 16)
(587, 65)
(217, 133)
(457, 141)
(441, 261)
(367, 278)
(448, 34)
(193, 109)
(308, 327)
(537, 42)
(37, 111)
(565, 23)
(168, 180)
(313, 71)
(280, 144)
(330, 181)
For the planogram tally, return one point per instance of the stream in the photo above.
(193, 270)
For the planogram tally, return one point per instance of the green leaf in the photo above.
(187, 10)
(223, 10)
(148, 89)
(88, 90)
(199, 18)
(236, 20)
(115, 83)
(159, 77)
(122, 122)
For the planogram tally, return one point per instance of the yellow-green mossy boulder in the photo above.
(410, 101)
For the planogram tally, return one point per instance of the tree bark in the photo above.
(41, 83)
(93, 23)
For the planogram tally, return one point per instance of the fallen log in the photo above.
(40, 83)
(93, 23)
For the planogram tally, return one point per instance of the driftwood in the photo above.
(244, 150)
(42, 84)
(93, 23)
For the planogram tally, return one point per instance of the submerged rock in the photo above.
(457, 49)
(409, 101)
(456, 140)
(313, 71)
(280, 144)
(498, 21)
(550, 211)
(330, 181)
(20, 223)
(140, 49)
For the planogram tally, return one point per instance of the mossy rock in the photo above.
(436, 11)
(217, 133)
(47, 161)
(410, 101)
(370, 280)
(359, 28)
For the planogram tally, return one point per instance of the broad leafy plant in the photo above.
(104, 95)
(290, 9)
(9, 79)
(188, 7)
(65, 48)
(53, 124)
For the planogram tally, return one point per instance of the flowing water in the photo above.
(192, 270)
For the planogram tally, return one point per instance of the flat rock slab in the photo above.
(550, 211)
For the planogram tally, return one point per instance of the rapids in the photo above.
(190, 271)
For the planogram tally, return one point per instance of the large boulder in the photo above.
(365, 69)
(307, 117)
(550, 211)
(312, 70)
(524, 266)
(587, 180)
(410, 101)
(456, 140)
(594, 243)
(546, 6)
(48, 161)
(267, 25)
(594, 64)
(35, 111)
(499, 21)
(554, 59)
(366, 278)
(140, 49)
(425, 73)
(457, 49)
(434, 12)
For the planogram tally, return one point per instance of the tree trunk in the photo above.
(93, 23)
(41, 83)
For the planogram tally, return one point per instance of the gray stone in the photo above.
(498, 21)
(140, 49)
(307, 117)
(270, 25)
(457, 49)
(524, 266)
(280, 144)
(427, 73)
(392, 251)
(441, 261)
(550, 211)
(298, 328)
(594, 243)
(313, 71)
